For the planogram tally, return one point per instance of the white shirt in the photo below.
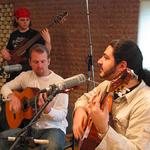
(131, 118)
(56, 118)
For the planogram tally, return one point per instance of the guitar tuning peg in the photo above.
(65, 13)
(61, 18)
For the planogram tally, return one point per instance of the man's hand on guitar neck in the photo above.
(47, 38)
(79, 122)
(15, 104)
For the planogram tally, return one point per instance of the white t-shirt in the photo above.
(56, 118)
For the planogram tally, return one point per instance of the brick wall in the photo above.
(109, 19)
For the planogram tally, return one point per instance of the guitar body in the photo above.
(91, 142)
(17, 55)
(17, 59)
(15, 119)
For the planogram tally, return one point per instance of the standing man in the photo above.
(21, 35)
(130, 109)
(52, 123)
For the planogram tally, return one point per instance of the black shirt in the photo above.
(16, 40)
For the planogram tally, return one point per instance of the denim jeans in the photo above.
(55, 136)
(4, 143)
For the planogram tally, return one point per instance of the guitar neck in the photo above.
(28, 44)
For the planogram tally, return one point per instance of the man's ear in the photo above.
(122, 65)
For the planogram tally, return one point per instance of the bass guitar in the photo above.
(28, 99)
(90, 139)
(17, 54)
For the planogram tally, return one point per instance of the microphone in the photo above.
(11, 68)
(66, 84)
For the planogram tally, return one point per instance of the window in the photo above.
(144, 32)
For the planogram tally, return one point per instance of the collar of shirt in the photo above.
(129, 96)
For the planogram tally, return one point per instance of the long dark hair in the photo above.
(129, 51)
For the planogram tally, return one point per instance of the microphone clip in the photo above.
(49, 89)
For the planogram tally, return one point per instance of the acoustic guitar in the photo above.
(90, 139)
(17, 54)
(28, 99)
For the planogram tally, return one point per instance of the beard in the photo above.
(109, 74)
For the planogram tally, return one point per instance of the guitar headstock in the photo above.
(121, 80)
(61, 17)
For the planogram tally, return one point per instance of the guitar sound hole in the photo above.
(14, 115)
(25, 105)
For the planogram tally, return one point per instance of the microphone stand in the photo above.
(90, 57)
(21, 135)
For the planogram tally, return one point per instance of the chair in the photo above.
(70, 141)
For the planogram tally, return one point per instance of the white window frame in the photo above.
(144, 32)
